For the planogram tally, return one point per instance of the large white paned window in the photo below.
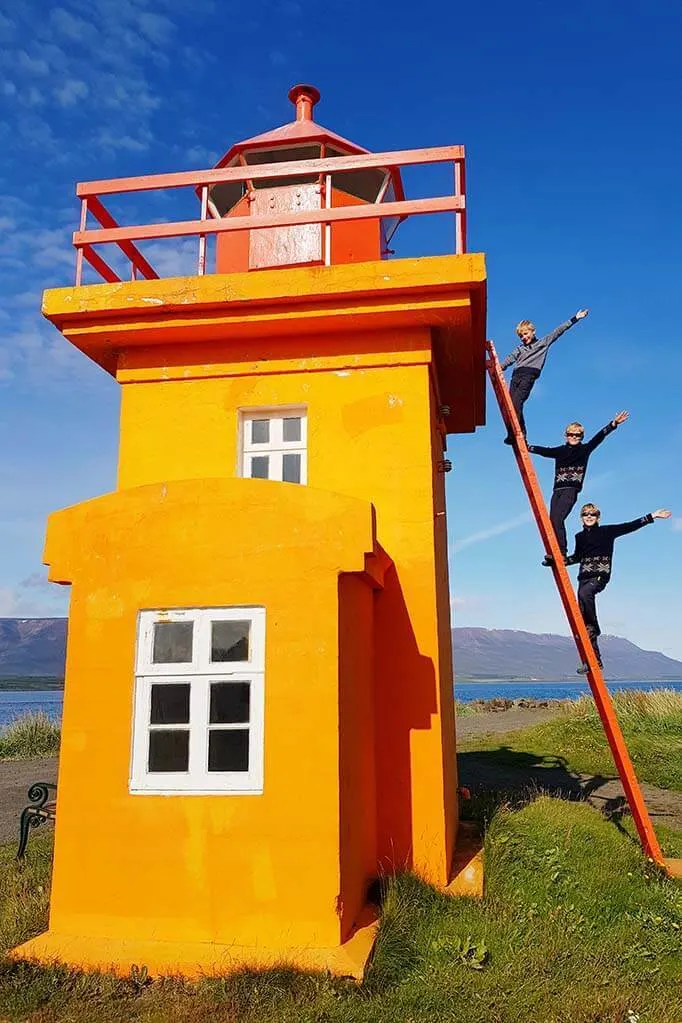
(198, 715)
(274, 445)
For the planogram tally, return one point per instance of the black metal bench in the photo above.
(41, 808)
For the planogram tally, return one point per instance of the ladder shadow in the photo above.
(508, 777)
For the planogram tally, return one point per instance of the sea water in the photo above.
(16, 704)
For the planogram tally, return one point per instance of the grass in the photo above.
(31, 735)
(575, 927)
(651, 723)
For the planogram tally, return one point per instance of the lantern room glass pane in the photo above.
(228, 749)
(230, 641)
(172, 642)
(168, 750)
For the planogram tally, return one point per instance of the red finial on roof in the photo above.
(304, 98)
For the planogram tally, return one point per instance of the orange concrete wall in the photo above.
(370, 413)
(357, 773)
(241, 869)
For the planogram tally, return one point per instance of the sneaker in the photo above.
(548, 561)
(584, 668)
(508, 440)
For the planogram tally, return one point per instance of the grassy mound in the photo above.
(31, 735)
(651, 723)
(575, 927)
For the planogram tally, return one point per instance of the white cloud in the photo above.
(487, 534)
(677, 525)
(32, 65)
(48, 602)
(73, 89)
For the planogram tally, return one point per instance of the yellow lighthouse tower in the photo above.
(258, 713)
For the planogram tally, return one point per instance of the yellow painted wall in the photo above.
(253, 869)
(371, 423)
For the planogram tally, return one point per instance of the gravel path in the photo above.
(481, 771)
(16, 777)
(478, 771)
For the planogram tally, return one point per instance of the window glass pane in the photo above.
(291, 468)
(230, 703)
(260, 431)
(259, 467)
(170, 704)
(228, 749)
(168, 750)
(172, 642)
(230, 641)
(292, 428)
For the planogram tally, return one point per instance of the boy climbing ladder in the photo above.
(570, 466)
(529, 358)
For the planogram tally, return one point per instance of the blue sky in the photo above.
(570, 115)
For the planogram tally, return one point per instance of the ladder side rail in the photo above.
(600, 693)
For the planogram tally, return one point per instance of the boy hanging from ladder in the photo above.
(594, 553)
(529, 358)
(570, 466)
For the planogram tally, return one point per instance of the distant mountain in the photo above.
(36, 646)
(32, 646)
(505, 653)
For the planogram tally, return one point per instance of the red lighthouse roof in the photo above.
(302, 130)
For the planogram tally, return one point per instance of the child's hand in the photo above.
(662, 513)
(620, 418)
(581, 314)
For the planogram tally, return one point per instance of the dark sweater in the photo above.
(533, 354)
(594, 546)
(570, 460)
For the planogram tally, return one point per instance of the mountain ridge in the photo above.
(36, 647)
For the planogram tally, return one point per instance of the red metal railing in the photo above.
(210, 222)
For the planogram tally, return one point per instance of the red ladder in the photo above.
(640, 814)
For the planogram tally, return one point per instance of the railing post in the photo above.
(460, 215)
(79, 250)
(202, 237)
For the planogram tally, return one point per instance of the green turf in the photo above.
(575, 927)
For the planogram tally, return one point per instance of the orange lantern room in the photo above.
(259, 705)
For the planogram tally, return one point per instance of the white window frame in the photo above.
(276, 447)
(199, 673)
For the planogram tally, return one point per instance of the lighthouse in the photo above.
(258, 713)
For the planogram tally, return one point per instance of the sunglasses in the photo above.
(574, 434)
(589, 515)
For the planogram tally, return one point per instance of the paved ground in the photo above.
(16, 777)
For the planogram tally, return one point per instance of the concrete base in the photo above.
(673, 868)
(193, 959)
(466, 875)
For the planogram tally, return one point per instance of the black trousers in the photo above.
(519, 388)
(560, 507)
(587, 593)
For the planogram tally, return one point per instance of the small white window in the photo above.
(274, 445)
(199, 698)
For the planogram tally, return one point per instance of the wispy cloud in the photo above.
(487, 534)
(677, 524)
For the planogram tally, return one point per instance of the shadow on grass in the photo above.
(509, 777)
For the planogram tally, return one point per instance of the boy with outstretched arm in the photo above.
(570, 466)
(529, 358)
(594, 553)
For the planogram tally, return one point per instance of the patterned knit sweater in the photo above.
(594, 547)
(570, 460)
